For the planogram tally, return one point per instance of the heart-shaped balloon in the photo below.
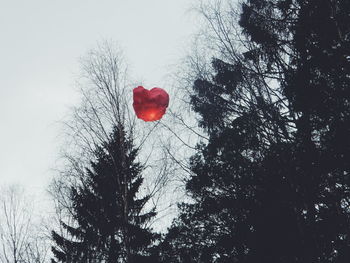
(150, 105)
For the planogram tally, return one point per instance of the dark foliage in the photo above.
(109, 218)
(272, 184)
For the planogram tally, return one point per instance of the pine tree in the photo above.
(110, 222)
(272, 184)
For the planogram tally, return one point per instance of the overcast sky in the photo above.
(41, 42)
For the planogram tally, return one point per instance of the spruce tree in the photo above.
(315, 35)
(109, 214)
(272, 184)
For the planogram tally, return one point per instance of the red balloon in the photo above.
(150, 105)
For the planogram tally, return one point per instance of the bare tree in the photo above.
(106, 102)
(14, 225)
(220, 37)
(20, 239)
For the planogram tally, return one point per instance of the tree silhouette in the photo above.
(272, 183)
(110, 218)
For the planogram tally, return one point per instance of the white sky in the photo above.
(40, 43)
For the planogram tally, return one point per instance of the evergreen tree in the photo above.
(316, 82)
(110, 222)
(272, 184)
